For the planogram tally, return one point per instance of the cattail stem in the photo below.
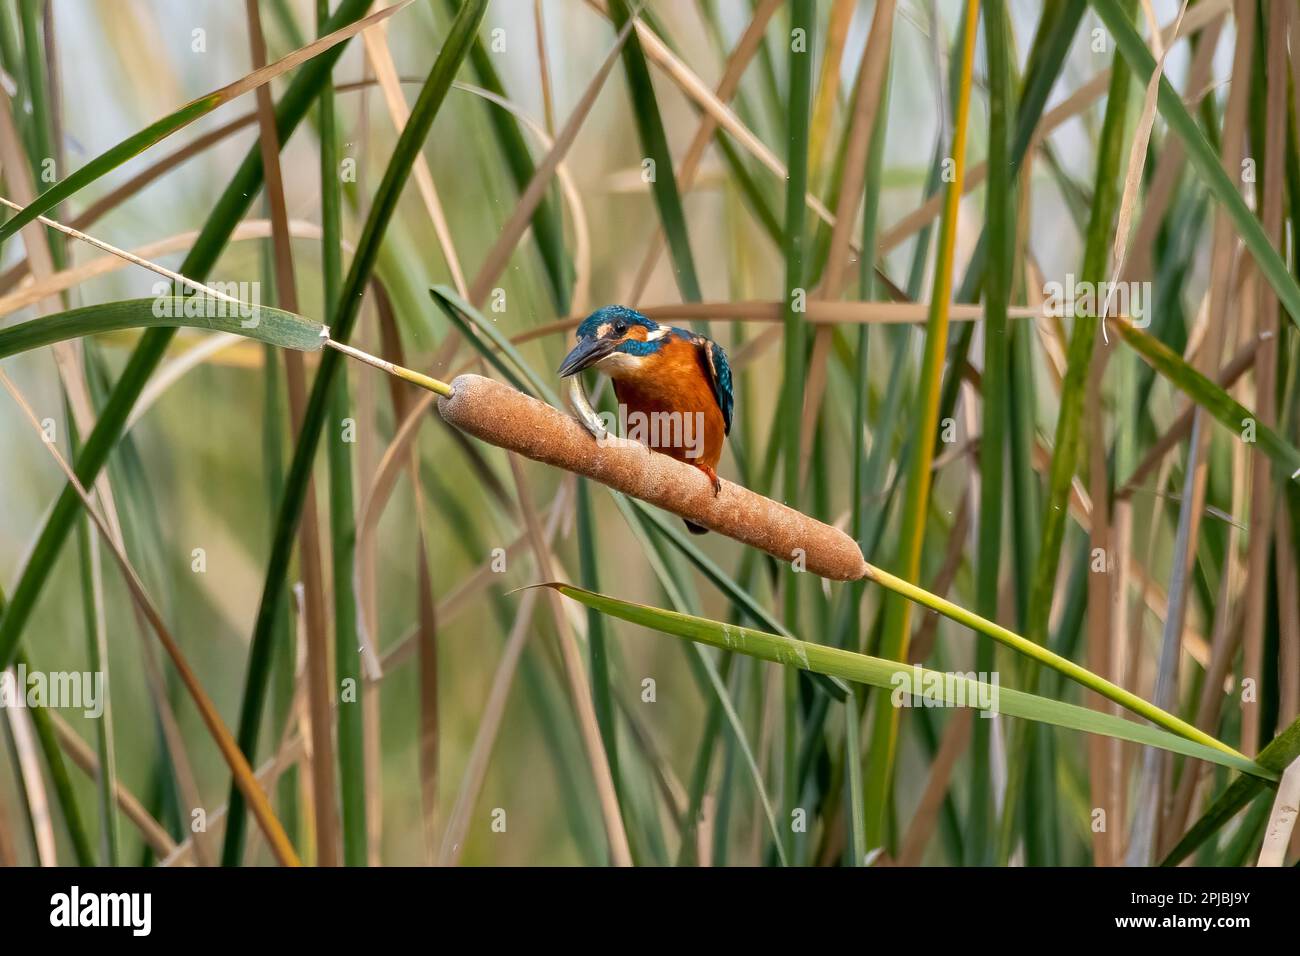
(409, 375)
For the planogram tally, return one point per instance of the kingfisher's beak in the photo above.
(586, 354)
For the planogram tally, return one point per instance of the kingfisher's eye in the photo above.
(620, 327)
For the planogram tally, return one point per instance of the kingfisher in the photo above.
(672, 385)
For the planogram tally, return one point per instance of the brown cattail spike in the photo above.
(502, 416)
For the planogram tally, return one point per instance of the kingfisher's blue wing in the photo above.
(719, 375)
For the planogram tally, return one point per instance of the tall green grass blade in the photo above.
(342, 511)
(864, 479)
(1024, 482)
(286, 650)
(654, 141)
(799, 118)
(857, 808)
(997, 296)
(602, 693)
(728, 795)
(895, 639)
(42, 148)
(97, 658)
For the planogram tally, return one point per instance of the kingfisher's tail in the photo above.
(693, 528)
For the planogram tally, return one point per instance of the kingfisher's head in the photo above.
(614, 339)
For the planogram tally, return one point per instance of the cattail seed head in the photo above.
(502, 416)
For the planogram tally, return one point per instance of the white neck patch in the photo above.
(620, 363)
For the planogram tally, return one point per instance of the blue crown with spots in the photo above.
(613, 313)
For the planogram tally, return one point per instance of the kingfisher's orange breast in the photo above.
(670, 390)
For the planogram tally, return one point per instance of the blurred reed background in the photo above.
(1023, 465)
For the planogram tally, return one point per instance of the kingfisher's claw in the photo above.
(713, 478)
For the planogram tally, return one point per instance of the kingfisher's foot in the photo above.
(713, 478)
